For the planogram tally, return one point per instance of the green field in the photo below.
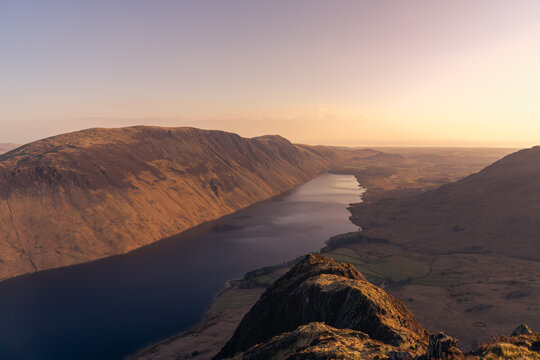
(375, 268)
(398, 268)
(345, 255)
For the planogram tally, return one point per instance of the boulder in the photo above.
(441, 346)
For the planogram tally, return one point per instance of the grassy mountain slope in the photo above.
(94, 193)
(494, 210)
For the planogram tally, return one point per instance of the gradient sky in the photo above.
(419, 72)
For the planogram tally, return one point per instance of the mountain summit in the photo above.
(324, 310)
(320, 290)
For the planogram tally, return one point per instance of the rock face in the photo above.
(441, 345)
(522, 330)
(94, 193)
(323, 310)
(523, 344)
(494, 210)
(320, 290)
(318, 341)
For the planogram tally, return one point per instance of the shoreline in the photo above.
(246, 283)
(417, 278)
(168, 238)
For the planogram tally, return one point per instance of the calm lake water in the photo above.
(109, 308)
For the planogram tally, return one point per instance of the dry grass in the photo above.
(469, 296)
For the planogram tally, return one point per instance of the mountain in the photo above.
(495, 210)
(324, 310)
(320, 290)
(5, 147)
(94, 193)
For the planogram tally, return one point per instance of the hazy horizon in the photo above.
(349, 144)
(351, 73)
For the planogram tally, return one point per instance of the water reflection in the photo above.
(109, 308)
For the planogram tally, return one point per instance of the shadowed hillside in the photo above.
(496, 210)
(94, 193)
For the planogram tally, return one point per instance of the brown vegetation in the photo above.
(316, 328)
(469, 296)
(99, 192)
(458, 281)
(320, 290)
(496, 210)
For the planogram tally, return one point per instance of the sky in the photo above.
(356, 73)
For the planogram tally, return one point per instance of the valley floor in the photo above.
(469, 296)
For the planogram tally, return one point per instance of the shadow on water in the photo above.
(108, 308)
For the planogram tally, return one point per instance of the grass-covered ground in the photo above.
(470, 296)
(228, 300)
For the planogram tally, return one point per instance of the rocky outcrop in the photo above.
(442, 346)
(99, 192)
(320, 290)
(318, 341)
(523, 344)
(521, 330)
(323, 310)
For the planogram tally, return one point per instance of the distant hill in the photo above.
(94, 193)
(494, 210)
(5, 147)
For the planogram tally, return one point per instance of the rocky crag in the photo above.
(324, 310)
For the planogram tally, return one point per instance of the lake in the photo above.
(109, 308)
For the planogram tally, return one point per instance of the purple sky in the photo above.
(335, 72)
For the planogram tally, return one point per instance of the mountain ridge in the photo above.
(318, 289)
(476, 214)
(350, 328)
(98, 192)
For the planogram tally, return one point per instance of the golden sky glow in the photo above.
(448, 73)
